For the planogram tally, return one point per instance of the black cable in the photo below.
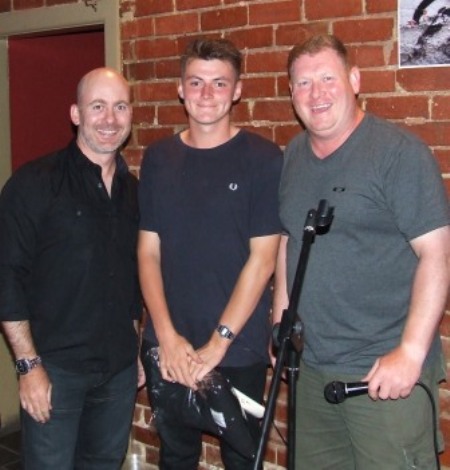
(433, 409)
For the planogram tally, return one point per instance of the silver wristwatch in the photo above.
(225, 332)
(23, 366)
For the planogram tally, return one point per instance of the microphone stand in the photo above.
(288, 337)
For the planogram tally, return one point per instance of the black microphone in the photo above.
(337, 392)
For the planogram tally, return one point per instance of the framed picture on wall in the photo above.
(423, 33)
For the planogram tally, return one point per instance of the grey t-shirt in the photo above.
(386, 190)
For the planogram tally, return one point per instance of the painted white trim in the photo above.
(49, 19)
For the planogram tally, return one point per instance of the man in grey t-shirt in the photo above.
(376, 284)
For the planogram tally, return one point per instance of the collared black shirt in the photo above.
(68, 260)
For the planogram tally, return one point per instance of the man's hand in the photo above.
(211, 354)
(175, 359)
(394, 375)
(35, 390)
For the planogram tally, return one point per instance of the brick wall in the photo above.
(155, 31)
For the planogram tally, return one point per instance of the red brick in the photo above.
(181, 23)
(399, 107)
(128, 51)
(240, 112)
(171, 115)
(274, 12)
(441, 108)
(259, 87)
(283, 85)
(141, 70)
(271, 453)
(195, 4)
(273, 111)
(246, 38)
(167, 68)
(142, 398)
(222, 18)
(331, 8)
(433, 133)
(445, 428)
(266, 62)
(367, 30)
(143, 115)
(367, 56)
(133, 157)
(291, 34)
(380, 6)
(443, 159)
(128, 29)
(376, 81)
(211, 455)
(144, 27)
(447, 187)
(424, 79)
(160, 91)
(156, 48)
(152, 7)
(143, 435)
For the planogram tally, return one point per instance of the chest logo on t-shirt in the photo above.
(233, 186)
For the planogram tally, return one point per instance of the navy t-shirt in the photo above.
(206, 205)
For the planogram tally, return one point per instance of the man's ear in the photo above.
(75, 114)
(237, 91)
(180, 90)
(355, 79)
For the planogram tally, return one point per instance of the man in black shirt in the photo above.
(69, 293)
(209, 234)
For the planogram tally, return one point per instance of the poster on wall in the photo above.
(423, 33)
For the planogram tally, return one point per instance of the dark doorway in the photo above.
(43, 74)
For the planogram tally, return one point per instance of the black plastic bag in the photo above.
(212, 408)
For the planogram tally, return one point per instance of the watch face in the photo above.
(225, 332)
(22, 366)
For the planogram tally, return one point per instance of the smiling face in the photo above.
(323, 93)
(103, 114)
(209, 88)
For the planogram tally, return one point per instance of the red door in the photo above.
(43, 75)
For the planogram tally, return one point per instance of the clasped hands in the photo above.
(180, 362)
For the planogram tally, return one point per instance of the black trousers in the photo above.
(89, 422)
(181, 446)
